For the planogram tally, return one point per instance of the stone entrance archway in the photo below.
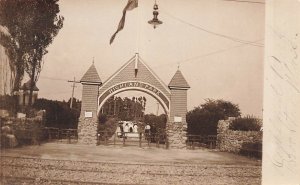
(134, 75)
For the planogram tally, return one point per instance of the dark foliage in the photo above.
(110, 125)
(102, 118)
(58, 114)
(125, 109)
(157, 123)
(31, 25)
(8, 103)
(252, 150)
(203, 120)
(246, 124)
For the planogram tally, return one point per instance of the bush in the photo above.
(102, 118)
(110, 126)
(26, 131)
(203, 120)
(252, 150)
(246, 124)
(157, 123)
(58, 114)
(9, 103)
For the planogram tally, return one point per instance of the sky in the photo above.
(203, 38)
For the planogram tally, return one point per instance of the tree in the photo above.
(125, 109)
(58, 114)
(203, 120)
(32, 25)
(248, 123)
(13, 20)
(76, 104)
(7, 103)
(157, 123)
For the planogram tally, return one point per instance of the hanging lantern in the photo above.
(155, 22)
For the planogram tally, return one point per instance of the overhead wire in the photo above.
(212, 53)
(60, 92)
(243, 1)
(192, 59)
(52, 78)
(243, 42)
(211, 32)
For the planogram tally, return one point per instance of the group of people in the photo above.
(130, 127)
(127, 127)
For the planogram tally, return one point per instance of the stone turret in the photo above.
(88, 117)
(177, 125)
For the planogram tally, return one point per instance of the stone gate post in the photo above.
(177, 126)
(87, 126)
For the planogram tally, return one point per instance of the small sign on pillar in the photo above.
(88, 114)
(177, 119)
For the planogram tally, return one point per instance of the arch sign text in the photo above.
(138, 85)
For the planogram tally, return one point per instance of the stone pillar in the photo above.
(177, 126)
(222, 132)
(87, 126)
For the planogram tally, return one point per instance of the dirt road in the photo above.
(55, 163)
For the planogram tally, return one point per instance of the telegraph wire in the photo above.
(60, 92)
(243, 1)
(52, 78)
(192, 59)
(212, 53)
(211, 32)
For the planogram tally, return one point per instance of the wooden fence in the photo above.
(132, 139)
(208, 141)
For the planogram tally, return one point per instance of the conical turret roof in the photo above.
(178, 81)
(26, 86)
(91, 76)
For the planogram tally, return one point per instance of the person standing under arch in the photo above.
(147, 131)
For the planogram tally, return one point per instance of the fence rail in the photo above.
(52, 133)
(117, 138)
(132, 138)
(209, 141)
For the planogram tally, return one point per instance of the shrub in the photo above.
(203, 120)
(9, 103)
(252, 149)
(246, 124)
(110, 126)
(157, 123)
(58, 113)
(102, 118)
(26, 131)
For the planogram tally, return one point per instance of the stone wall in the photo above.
(21, 129)
(231, 141)
(176, 133)
(87, 131)
(87, 126)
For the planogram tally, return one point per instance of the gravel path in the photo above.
(43, 171)
(38, 170)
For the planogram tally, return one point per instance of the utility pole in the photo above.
(157, 109)
(115, 106)
(73, 87)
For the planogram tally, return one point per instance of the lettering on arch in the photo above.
(137, 85)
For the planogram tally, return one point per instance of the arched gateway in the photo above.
(134, 75)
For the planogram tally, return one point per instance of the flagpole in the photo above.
(137, 42)
(138, 29)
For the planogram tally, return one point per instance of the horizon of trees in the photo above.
(126, 109)
(58, 113)
(202, 120)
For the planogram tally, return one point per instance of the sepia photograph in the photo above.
(143, 92)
